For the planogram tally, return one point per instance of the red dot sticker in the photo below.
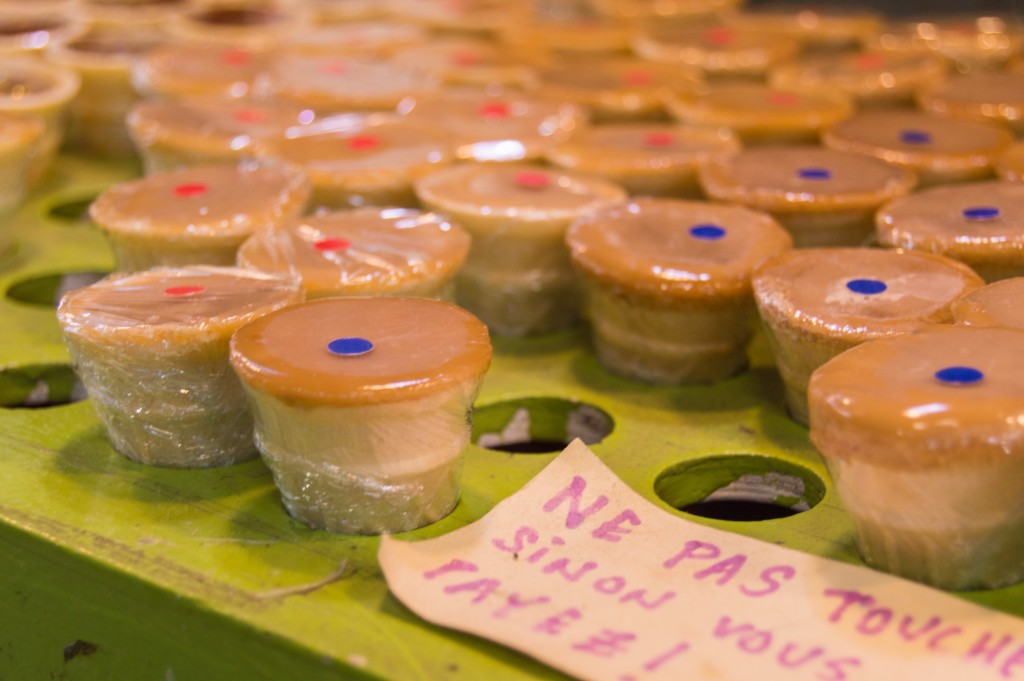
(494, 110)
(869, 62)
(250, 116)
(335, 67)
(719, 36)
(181, 291)
(364, 142)
(659, 139)
(530, 180)
(235, 57)
(332, 245)
(637, 78)
(783, 99)
(190, 190)
(466, 59)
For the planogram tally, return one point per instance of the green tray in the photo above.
(114, 570)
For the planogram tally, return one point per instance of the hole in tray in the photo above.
(74, 211)
(742, 487)
(538, 425)
(39, 385)
(48, 289)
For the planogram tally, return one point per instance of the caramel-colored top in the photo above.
(859, 293)
(992, 97)
(335, 84)
(172, 305)
(519, 193)
(1010, 166)
(223, 200)
(469, 61)
(838, 25)
(371, 37)
(911, 138)
(971, 41)
(24, 31)
(366, 251)
(176, 70)
(28, 85)
(239, 24)
(804, 178)
(620, 84)
(754, 107)
(713, 47)
(99, 52)
(642, 147)
(997, 304)
(465, 16)
(486, 127)
(863, 75)
(571, 36)
(675, 249)
(388, 349)
(226, 125)
(645, 9)
(968, 220)
(904, 390)
(339, 147)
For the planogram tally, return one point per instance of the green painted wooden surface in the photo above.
(173, 575)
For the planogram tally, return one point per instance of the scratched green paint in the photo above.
(176, 575)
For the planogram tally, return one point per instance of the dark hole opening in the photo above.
(73, 211)
(740, 510)
(531, 447)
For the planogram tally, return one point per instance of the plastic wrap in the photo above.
(977, 223)
(823, 197)
(816, 303)
(356, 160)
(361, 407)
(470, 61)
(152, 351)
(175, 71)
(972, 43)
(171, 134)
(104, 63)
(760, 114)
(997, 304)
(496, 127)
(616, 88)
(877, 79)
(939, 150)
(518, 277)
(718, 50)
(198, 215)
(333, 84)
(669, 285)
(923, 435)
(646, 159)
(37, 90)
(364, 251)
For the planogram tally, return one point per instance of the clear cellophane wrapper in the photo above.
(165, 391)
(367, 469)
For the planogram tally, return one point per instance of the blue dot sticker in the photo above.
(981, 213)
(915, 137)
(959, 376)
(814, 174)
(867, 287)
(707, 232)
(349, 347)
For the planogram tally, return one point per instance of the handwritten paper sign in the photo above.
(579, 571)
